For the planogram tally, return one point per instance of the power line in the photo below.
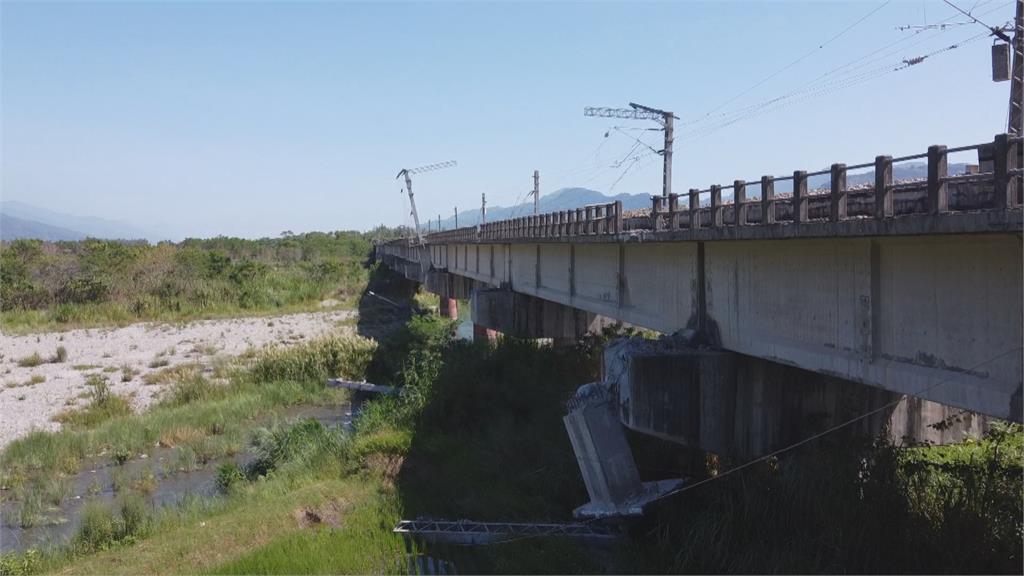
(798, 60)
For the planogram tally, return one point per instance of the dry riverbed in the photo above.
(30, 396)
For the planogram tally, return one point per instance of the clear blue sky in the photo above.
(252, 118)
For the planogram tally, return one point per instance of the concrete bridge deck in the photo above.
(915, 288)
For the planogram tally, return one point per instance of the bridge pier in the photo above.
(483, 333)
(449, 308)
(741, 407)
(525, 316)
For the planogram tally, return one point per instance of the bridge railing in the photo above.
(998, 188)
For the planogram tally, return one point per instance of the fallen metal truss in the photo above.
(468, 532)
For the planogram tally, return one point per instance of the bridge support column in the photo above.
(741, 407)
(524, 316)
(605, 459)
(483, 333)
(449, 308)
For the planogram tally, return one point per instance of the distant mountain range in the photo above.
(21, 220)
(568, 198)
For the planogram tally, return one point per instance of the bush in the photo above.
(229, 475)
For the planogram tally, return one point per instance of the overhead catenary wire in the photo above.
(800, 59)
(844, 69)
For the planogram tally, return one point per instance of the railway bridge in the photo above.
(790, 304)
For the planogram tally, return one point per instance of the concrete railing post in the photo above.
(673, 211)
(838, 193)
(589, 222)
(617, 217)
(716, 206)
(655, 203)
(694, 208)
(800, 196)
(579, 222)
(938, 190)
(767, 200)
(883, 187)
(739, 202)
(1006, 183)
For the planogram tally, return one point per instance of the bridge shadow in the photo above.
(387, 304)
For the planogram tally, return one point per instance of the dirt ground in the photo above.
(143, 348)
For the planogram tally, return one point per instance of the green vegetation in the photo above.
(477, 432)
(96, 282)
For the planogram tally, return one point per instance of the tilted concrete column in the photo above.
(603, 454)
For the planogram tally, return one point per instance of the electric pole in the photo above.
(483, 208)
(640, 112)
(1017, 78)
(456, 216)
(536, 192)
(408, 172)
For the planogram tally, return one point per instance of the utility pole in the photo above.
(408, 172)
(438, 222)
(456, 216)
(536, 192)
(1017, 78)
(640, 112)
(483, 208)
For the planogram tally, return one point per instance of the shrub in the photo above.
(229, 475)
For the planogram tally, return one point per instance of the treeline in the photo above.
(99, 281)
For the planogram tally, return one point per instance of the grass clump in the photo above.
(13, 564)
(102, 526)
(172, 374)
(128, 373)
(103, 405)
(31, 361)
(32, 381)
(60, 355)
(340, 356)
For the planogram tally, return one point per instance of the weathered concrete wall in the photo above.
(934, 316)
(937, 317)
(743, 407)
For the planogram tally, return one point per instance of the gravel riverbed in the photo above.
(27, 404)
